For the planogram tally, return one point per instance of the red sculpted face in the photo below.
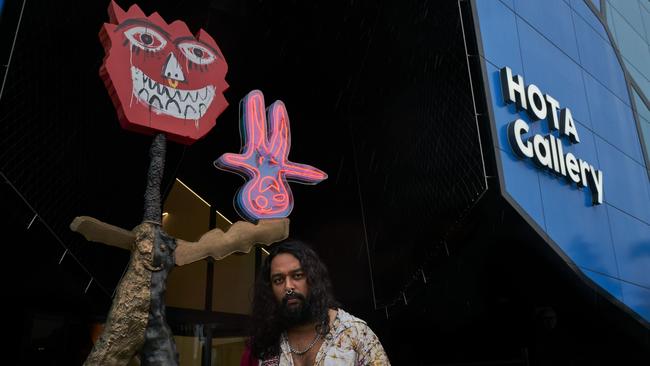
(161, 77)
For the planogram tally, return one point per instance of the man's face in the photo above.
(289, 284)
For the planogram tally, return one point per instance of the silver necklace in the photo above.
(300, 353)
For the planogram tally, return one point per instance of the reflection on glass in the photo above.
(639, 78)
(629, 24)
(630, 10)
(644, 111)
(596, 4)
(645, 132)
(189, 350)
(226, 351)
(633, 47)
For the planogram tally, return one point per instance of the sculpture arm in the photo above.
(240, 237)
(99, 231)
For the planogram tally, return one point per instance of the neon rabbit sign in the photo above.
(162, 78)
(263, 161)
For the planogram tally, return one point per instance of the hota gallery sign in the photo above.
(546, 151)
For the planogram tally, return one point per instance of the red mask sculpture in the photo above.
(161, 77)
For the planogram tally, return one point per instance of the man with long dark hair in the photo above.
(297, 321)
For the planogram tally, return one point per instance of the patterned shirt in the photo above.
(349, 342)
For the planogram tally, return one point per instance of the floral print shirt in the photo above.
(349, 342)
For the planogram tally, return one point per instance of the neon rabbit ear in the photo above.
(280, 134)
(253, 122)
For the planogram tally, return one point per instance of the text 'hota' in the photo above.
(547, 150)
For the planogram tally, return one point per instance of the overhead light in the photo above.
(194, 193)
(165, 214)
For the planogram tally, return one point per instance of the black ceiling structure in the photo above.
(380, 97)
(372, 104)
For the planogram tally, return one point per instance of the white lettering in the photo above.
(596, 186)
(572, 168)
(542, 152)
(515, 130)
(556, 163)
(547, 151)
(584, 169)
(552, 106)
(560, 154)
(567, 126)
(536, 104)
(513, 88)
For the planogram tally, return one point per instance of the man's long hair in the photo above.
(266, 326)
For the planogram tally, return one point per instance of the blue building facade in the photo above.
(591, 58)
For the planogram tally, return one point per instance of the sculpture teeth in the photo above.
(162, 99)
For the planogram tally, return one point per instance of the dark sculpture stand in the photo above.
(136, 322)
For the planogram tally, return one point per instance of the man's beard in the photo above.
(296, 314)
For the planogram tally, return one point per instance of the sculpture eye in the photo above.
(197, 53)
(145, 38)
